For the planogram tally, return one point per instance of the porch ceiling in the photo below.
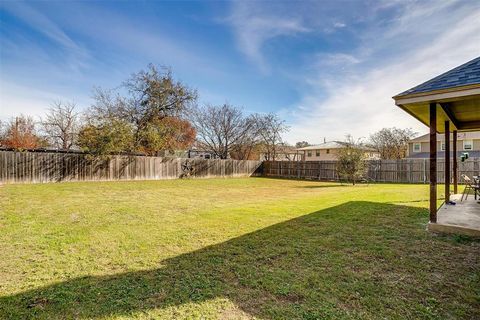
(457, 93)
(461, 108)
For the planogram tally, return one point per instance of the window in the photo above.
(309, 153)
(442, 146)
(207, 156)
(317, 153)
(467, 145)
(328, 151)
(417, 147)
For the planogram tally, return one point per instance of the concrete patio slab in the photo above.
(462, 218)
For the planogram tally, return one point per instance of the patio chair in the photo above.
(469, 186)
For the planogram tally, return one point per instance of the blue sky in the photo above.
(329, 68)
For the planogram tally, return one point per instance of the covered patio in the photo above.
(448, 103)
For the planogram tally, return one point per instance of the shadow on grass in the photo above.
(350, 260)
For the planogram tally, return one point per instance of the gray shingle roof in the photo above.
(466, 74)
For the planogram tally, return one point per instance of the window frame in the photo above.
(309, 153)
(317, 153)
(419, 144)
(470, 141)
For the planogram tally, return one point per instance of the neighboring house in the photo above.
(202, 154)
(190, 153)
(282, 153)
(466, 142)
(329, 151)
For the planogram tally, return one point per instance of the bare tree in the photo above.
(222, 129)
(270, 129)
(391, 143)
(61, 124)
(2, 131)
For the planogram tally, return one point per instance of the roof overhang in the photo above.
(459, 105)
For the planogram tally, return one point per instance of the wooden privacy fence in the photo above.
(38, 167)
(404, 170)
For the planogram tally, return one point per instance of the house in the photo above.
(282, 153)
(190, 153)
(201, 154)
(329, 150)
(419, 148)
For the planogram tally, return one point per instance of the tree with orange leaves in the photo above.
(20, 134)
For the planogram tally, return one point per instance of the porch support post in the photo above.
(455, 168)
(433, 162)
(447, 162)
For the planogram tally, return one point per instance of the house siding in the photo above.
(476, 144)
(323, 155)
(426, 146)
(333, 155)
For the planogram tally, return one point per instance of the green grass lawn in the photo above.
(230, 249)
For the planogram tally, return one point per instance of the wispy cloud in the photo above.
(38, 65)
(360, 102)
(40, 23)
(43, 62)
(253, 27)
(330, 68)
(337, 59)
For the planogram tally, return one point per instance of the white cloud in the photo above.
(337, 59)
(33, 75)
(40, 23)
(75, 53)
(253, 27)
(360, 102)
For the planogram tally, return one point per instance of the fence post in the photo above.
(424, 170)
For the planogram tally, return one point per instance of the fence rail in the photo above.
(404, 170)
(39, 167)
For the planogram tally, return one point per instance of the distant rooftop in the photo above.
(325, 145)
(328, 145)
(464, 75)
